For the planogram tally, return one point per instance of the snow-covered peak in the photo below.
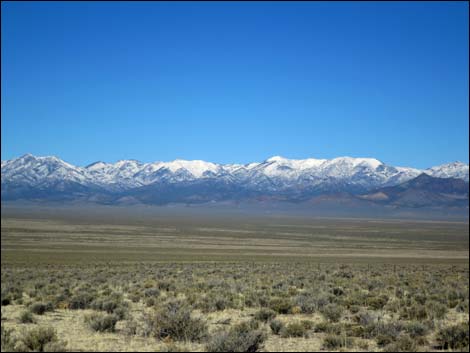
(30, 160)
(296, 163)
(127, 162)
(96, 166)
(40, 169)
(450, 170)
(354, 162)
(252, 165)
(196, 167)
(25, 157)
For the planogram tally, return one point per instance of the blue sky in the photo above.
(236, 82)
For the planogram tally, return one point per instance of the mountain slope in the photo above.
(277, 178)
(423, 191)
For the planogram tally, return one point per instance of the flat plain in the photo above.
(156, 279)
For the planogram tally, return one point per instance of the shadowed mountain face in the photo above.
(422, 191)
(344, 182)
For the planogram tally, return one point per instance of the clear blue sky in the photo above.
(236, 82)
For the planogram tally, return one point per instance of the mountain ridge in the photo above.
(276, 178)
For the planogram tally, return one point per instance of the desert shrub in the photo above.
(56, 346)
(294, 329)
(454, 337)
(39, 339)
(221, 303)
(130, 328)
(365, 318)
(393, 305)
(112, 305)
(10, 293)
(337, 291)
(39, 308)
(436, 310)
(377, 303)
(7, 340)
(215, 302)
(101, 322)
(306, 303)
(383, 329)
(175, 321)
(355, 330)
(404, 343)
(354, 309)
(462, 307)
(454, 296)
(60, 301)
(106, 304)
(416, 329)
(244, 337)
(327, 327)
(152, 292)
(355, 298)
(363, 345)
(150, 301)
(280, 305)
(145, 325)
(166, 286)
(332, 312)
(276, 326)
(251, 299)
(6, 301)
(309, 325)
(134, 297)
(80, 301)
(26, 317)
(421, 298)
(414, 312)
(384, 333)
(265, 315)
(383, 339)
(121, 312)
(335, 342)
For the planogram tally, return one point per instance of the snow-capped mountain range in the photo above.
(29, 174)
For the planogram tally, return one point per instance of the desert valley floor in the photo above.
(162, 279)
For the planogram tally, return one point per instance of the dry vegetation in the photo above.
(255, 300)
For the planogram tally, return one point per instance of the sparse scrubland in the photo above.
(277, 303)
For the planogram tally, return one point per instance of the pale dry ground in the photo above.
(72, 329)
